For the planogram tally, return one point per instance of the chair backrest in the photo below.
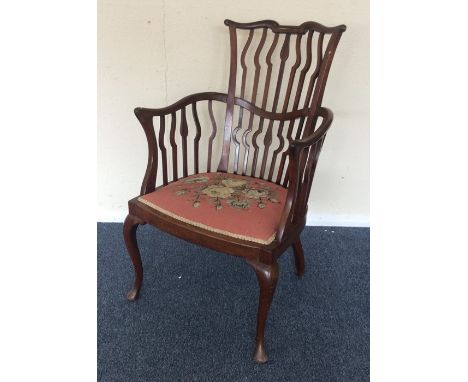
(276, 84)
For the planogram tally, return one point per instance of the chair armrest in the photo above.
(142, 112)
(146, 115)
(299, 185)
(327, 116)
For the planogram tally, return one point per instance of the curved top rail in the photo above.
(291, 29)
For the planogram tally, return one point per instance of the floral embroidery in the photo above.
(229, 182)
(222, 191)
(241, 204)
(216, 191)
(200, 179)
(255, 194)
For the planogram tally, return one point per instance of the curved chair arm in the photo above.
(222, 97)
(146, 115)
(301, 171)
(204, 96)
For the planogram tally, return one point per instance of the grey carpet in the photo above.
(195, 319)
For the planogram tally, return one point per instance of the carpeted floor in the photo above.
(195, 319)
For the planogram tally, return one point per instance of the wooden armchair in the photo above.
(241, 189)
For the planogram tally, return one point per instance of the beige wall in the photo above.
(153, 52)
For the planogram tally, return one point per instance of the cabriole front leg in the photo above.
(267, 275)
(129, 231)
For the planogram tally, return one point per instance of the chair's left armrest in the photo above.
(144, 112)
(146, 116)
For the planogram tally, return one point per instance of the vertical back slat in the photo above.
(162, 147)
(269, 133)
(321, 82)
(292, 75)
(300, 85)
(243, 64)
(264, 102)
(236, 141)
(212, 136)
(312, 80)
(305, 69)
(283, 58)
(241, 111)
(254, 98)
(184, 134)
(281, 167)
(314, 75)
(196, 141)
(269, 70)
(173, 146)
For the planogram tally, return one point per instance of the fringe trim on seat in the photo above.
(208, 228)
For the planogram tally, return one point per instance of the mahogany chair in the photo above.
(241, 189)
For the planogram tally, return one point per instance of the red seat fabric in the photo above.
(239, 206)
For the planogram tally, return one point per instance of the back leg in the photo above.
(298, 257)
(129, 231)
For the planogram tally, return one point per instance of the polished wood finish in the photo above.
(267, 275)
(298, 257)
(129, 231)
(278, 139)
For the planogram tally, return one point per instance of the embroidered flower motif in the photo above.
(236, 193)
(199, 179)
(230, 182)
(241, 204)
(255, 194)
(216, 191)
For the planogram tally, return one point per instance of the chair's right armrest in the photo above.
(300, 170)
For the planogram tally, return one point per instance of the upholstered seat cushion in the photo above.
(239, 206)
